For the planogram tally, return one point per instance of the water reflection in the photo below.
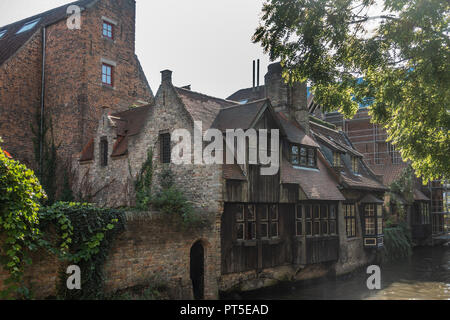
(426, 276)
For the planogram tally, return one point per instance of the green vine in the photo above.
(85, 235)
(143, 184)
(46, 170)
(403, 186)
(20, 193)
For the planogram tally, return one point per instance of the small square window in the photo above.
(108, 30)
(107, 74)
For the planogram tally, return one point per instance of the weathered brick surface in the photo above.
(20, 90)
(74, 94)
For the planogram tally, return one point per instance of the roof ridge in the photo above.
(243, 105)
(205, 95)
(24, 20)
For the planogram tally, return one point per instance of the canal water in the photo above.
(425, 276)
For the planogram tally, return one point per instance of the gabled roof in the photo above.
(240, 116)
(201, 106)
(316, 184)
(419, 196)
(11, 42)
(295, 132)
(389, 172)
(249, 94)
(370, 198)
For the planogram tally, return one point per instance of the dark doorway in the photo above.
(198, 270)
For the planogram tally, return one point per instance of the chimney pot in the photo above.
(166, 76)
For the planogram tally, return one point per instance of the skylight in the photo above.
(28, 26)
(2, 33)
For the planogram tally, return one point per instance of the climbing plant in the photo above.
(403, 186)
(143, 183)
(46, 158)
(84, 237)
(20, 193)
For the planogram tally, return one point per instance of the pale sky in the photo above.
(206, 43)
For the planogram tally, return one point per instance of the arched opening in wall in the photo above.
(198, 270)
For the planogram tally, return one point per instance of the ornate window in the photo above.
(350, 220)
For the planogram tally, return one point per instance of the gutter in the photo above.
(41, 136)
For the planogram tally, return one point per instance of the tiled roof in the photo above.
(316, 184)
(232, 172)
(249, 94)
(389, 172)
(370, 198)
(88, 151)
(239, 116)
(202, 107)
(337, 141)
(295, 132)
(419, 196)
(11, 42)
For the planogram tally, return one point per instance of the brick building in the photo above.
(67, 75)
(306, 221)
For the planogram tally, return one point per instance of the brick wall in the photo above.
(20, 90)
(151, 247)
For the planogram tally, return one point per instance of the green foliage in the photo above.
(48, 165)
(20, 193)
(143, 184)
(85, 234)
(397, 243)
(66, 193)
(172, 202)
(404, 62)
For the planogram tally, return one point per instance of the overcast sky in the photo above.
(206, 43)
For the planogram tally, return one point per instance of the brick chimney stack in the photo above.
(291, 99)
(166, 76)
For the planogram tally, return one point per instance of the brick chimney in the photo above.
(290, 99)
(166, 76)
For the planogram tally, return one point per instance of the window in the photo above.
(299, 221)
(245, 222)
(103, 152)
(320, 219)
(373, 219)
(273, 213)
(28, 26)
(350, 220)
(108, 30)
(107, 75)
(2, 33)
(336, 159)
(355, 164)
(165, 155)
(303, 156)
(395, 155)
(425, 213)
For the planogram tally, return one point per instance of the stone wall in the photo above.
(150, 248)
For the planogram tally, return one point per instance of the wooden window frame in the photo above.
(108, 24)
(303, 156)
(319, 219)
(165, 148)
(375, 218)
(337, 161)
(355, 164)
(299, 220)
(112, 68)
(350, 219)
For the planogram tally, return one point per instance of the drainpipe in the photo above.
(41, 140)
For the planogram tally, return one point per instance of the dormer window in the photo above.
(336, 159)
(355, 164)
(303, 156)
(2, 33)
(108, 30)
(28, 26)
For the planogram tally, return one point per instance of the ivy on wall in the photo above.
(85, 235)
(20, 193)
(397, 243)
